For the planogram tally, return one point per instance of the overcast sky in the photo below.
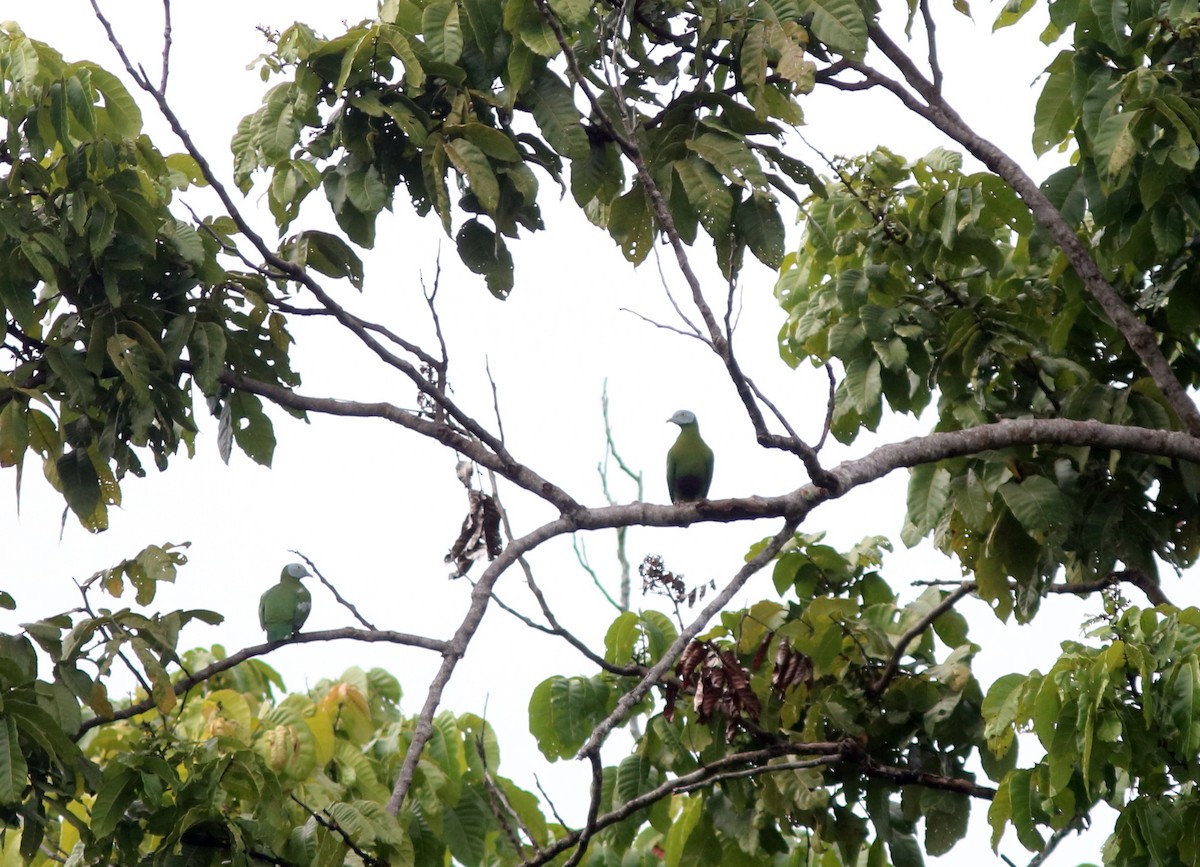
(376, 508)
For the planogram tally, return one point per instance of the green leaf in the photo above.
(758, 220)
(631, 224)
(252, 429)
(80, 482)
(206, 350)
(485, 17)
(484, 252)
(14, 772)
(731, 157)
(621, 638)
(840, 24)
(1020, 792)
(1055, 114)
(327, 254)
(1115, 142)
(707, 194)
(395, 39)
(554, 110)
(131, 362)
(1037, 503)
(928, 492)
(863, 383)
(443, 32)
(493, 142)
(571, 12)
(563, 711)
(121, 115)
(466, 829)
(68, 365)
(473, 165)
(115, 795)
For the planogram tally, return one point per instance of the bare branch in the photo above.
(913, 632)
(504, 465)
(931, 37)
(680, 331)
(166, 52)
(589, 828)
(347, 605)
(457, 648)
(662, 214)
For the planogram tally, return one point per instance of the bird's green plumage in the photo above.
(283, 609)
(689, 461)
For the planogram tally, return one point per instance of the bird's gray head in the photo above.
(295, 570)
(683, 416)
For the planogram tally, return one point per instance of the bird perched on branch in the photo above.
(283, 609)
(689, 462)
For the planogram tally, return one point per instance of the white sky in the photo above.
(376, 508)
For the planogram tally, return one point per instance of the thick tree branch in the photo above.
(1141, 338)
(345, 633)
(516, 473)
(850, 474)
(456, 648)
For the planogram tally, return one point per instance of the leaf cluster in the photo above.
(111, 302)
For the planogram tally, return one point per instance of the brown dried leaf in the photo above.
(691, 657)
(672, 694)
(480, 534)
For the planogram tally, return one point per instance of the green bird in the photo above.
(283, 609)
(689, 462)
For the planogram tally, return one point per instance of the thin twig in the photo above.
(829, 407)
(328, 823)
(580, 549)
(913, 632)
(697, 335)
(344, 603)
(931, 36)
(589, 827)
(166, 52)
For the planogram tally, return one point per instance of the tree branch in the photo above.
(716, 339)
(456, 648)
(289, 269)
(185, 683)
(893, 664)
(1141, 338)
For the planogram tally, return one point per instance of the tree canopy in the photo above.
(1044, 332)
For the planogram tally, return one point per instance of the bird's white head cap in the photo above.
(683, 416)
(295, 570)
